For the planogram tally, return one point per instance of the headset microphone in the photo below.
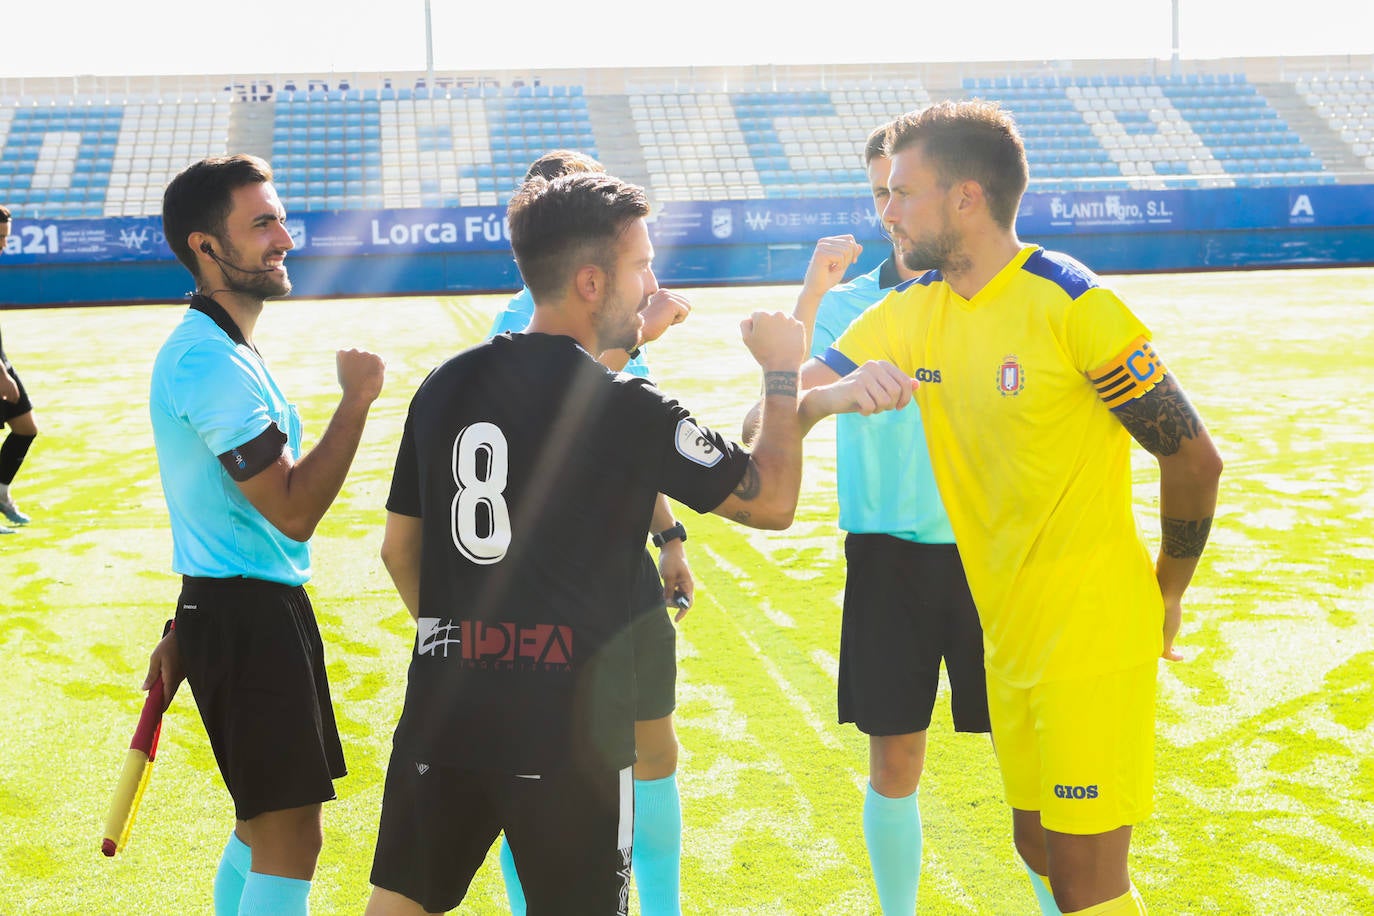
(205, 247)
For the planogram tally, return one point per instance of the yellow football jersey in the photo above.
(1031, 464)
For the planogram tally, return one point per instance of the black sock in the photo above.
(12, 454)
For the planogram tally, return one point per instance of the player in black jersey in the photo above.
(657, 866)
(524, 485)
(16, 411)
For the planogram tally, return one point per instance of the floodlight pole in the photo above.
(1174, 65)
(429, 45)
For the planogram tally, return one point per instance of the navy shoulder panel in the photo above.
(1063, 271)
(925, 279)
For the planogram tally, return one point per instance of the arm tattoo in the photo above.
(1161, 418)
(1184, 538)
(784, 383)
(749, 485)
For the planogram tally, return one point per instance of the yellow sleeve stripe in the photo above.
(1132, 373)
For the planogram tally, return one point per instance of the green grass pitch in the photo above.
(1265, 785)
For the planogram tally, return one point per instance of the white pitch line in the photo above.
(827, 662)
(778, 618)
(794, 697)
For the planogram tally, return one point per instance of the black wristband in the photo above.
(634, 353)
(675, 533)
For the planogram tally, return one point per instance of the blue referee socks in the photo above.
(1043, 895)
(515, 894)
(892, 830)
(272, 895)
(229, 878)
(657, 862)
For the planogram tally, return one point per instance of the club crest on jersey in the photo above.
(694, 446)
(1011, 378)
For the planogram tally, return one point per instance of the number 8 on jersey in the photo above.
(480, 518)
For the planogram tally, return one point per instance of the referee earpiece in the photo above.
(205, 247)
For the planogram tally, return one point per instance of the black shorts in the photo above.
(570, 833)
(655, 646)
(12, 409)
(907, 606)
(255, 663)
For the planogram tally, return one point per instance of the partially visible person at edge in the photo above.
(16, 412)
(1038, 376)
(524, 485)
(244, 498)
(657, 862)
(906, 601)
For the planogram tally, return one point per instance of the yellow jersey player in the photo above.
(1034, 378)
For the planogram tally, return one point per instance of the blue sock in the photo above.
(515, 894)
(657, 861)
(892, 829)
(233, 869)
(1043, 895)
(273, 895)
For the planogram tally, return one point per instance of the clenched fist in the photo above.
(360, 373)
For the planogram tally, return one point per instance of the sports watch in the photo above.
(677, 532)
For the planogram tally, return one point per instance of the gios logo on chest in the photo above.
(1011, 377)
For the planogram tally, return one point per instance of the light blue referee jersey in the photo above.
(518, 313)
(883, 476)
(210, 395)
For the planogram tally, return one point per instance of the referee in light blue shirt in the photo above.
(212, 395)
(244, 499)
(906, 602)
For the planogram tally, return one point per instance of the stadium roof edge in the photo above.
(612, 81)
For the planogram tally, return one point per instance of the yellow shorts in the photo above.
(1079, 751)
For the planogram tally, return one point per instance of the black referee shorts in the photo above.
(571, 834)
(655, 645)
(255, 663)
(18, 408)
(906, 607)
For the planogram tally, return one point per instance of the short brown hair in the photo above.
(558, 226)
(200, 197)
(559, 162)
(4, 215)
(971, 140)
(875, 147)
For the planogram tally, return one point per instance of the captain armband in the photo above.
(254, 456)
(1132, 373)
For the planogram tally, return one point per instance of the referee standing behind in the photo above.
(244, 501)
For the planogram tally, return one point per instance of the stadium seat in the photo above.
(792, 136)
